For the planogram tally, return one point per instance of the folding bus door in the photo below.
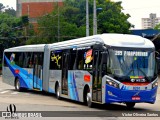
(97, 79)
(37, 69)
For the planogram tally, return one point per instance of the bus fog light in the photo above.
(155, 84)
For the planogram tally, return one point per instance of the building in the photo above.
(151, 22)
(36, 8)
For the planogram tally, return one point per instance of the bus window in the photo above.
(20, 59)
(84, 59)
(72, 60)
(56, 60)
(30, 59)
(88, 59)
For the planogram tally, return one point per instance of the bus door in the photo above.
(37, 67)
(65, 61)
(97, 77)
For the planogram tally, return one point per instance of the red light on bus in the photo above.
(135, 84)
(87, 78)
(16, 71)
(136, 98)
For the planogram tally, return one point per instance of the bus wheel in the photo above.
(17, 85)
(130, 105)
(58, 92)
(88, 99)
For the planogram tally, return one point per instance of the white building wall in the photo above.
(150, 22)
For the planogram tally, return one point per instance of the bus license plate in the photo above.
(136, 88)
(136, 98)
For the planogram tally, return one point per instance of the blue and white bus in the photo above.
(102, 69)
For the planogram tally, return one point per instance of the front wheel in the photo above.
(17, 85)
(130, 105)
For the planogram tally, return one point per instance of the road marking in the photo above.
(14, 93)
(4, 91)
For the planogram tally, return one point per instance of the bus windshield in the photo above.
(131, 63)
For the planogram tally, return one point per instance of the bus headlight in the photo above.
(112, 83)
(155, 84)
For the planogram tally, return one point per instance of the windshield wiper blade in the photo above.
(129, 72)
(145, 75)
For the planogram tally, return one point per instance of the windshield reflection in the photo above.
(128, 63)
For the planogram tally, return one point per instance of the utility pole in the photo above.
(87, 19)
(58, 25)
(94, 18)
(58, 22)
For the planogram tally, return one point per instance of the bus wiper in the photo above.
(144, 74)
(129, 72)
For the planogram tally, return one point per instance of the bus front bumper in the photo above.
(117, 95)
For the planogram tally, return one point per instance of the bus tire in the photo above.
(130, 105)
(89, 99)
(17, 85)
(58, 92)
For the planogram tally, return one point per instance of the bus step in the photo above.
(36, 89)
(97, 102)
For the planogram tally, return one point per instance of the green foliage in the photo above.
(111, 19)
(1, 7)
(157, 27)
(25, 20)
(10, 11)
(10, 30)
(69, 21)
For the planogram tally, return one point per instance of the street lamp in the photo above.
(95, 9)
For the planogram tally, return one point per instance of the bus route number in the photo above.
(118, 53)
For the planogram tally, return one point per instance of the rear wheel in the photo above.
(17, 85)
(130, 105)
(58, 92)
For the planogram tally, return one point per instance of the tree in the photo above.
(1, 7)
(111, 19)
(10, 31)
(157, 27)
(10, 11)
(71, 21)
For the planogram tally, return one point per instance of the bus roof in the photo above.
(126, 40)
(27, 48)
(109, 39)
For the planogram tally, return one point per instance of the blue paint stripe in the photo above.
(75, 90)
(26, 78)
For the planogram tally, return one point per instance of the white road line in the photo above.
(14, 93)
(4, 91)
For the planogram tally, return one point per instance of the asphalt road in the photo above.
(40, 101)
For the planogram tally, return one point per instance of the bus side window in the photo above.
(80, 60)
(72, 60)
(56, 60)
(88, 59)
(31, 60)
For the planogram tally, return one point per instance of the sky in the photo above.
(136, 8)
